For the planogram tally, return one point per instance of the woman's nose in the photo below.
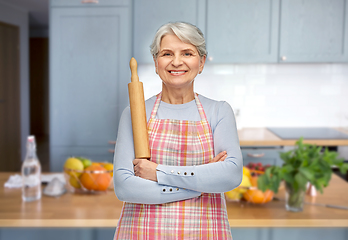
(177, 61)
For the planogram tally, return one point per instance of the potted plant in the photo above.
(305, 164)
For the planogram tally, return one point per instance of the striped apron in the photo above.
(178, 143)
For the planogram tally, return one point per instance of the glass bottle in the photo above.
(31, 173)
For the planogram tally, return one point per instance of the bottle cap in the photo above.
(31, 138)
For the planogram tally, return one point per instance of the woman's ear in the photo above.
(155, 60)
(202, 62)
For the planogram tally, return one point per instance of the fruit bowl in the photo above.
(248, 190)
(92, 179)
(255, 195)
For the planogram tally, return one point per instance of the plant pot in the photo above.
(294, 199)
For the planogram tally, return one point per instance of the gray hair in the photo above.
(186, 32)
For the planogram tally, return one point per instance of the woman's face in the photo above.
(178, 63)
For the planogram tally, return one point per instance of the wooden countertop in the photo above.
(264, 137)
(103, 210)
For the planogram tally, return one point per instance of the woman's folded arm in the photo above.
(130, 188)
(212, 177)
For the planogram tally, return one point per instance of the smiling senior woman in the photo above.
(178, 193)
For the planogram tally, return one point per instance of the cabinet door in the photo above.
(313, 31)
(149, 15)
(88, 3)
(89, 67)
(242, 31)
(262, 155)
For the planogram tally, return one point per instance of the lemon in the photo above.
(74, 164)
(243, 187)
(109, 166)
(246, 172)
(233, 195)
(237, 193)
(74, 182)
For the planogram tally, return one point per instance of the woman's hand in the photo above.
(219, 158)
(145, 169)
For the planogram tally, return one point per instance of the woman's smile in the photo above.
(177, 73)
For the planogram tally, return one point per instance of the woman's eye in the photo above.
(187, 54)
(166, 54)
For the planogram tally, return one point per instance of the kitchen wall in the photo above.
(284, 95)
(20, 17)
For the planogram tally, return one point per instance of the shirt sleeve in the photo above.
(130, 188)
(212, 177)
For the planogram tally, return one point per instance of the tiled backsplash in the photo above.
(286, 95)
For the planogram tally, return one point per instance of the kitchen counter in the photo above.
(103, 210)
(264, 137)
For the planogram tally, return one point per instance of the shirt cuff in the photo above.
(167, 174)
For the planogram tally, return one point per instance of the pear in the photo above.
(85, 161)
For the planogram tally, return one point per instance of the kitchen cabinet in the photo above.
(242, 31)
(89, 73)
(89, 3)
(313, 31)
(265, 155)
(151, 14)
(299, 31)
(252, 31)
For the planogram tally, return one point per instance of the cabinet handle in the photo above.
(89, 1)
(256, 155)
(112, 143)
(283, 58)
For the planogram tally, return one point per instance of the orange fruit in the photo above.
(268, 195)
(95, 164)
(253, 181)
(255, 195)
(95, 181)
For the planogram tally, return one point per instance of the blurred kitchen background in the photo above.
(64, 70)
(279, 63)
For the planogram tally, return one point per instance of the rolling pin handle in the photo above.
(134, 66)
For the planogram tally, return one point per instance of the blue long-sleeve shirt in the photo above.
(173, 184)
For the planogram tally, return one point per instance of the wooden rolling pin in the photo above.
(138, 114)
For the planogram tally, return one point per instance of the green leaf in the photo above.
(301, 180)
(286, 156)
(288, 177)
(307, 173)
(261, 183)
(275, 184)
(344, 168)
(269, 180)
(287, 169)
